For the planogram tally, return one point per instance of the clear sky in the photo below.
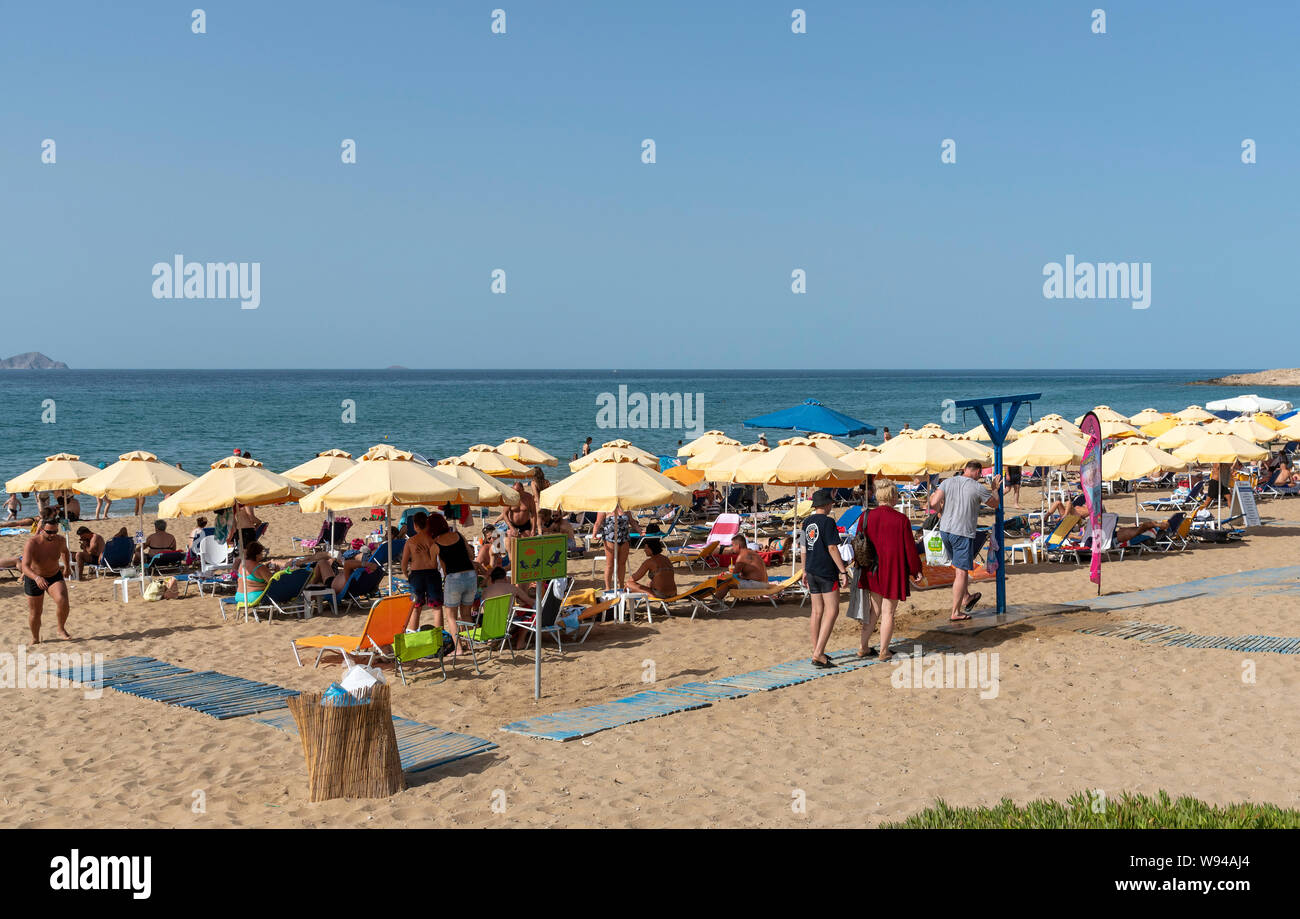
(775, 151)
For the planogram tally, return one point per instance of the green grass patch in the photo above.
(1129, 811)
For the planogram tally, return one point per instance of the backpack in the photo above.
(864, 550)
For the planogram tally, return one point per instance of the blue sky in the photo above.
(775, 151)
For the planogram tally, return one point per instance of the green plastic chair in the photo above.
(495, 623)
(414, 646)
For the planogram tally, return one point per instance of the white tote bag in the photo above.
(935, 553)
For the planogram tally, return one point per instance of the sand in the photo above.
(1072, 712)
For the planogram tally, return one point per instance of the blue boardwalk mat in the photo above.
(580, 722)
(420, 746)
(211, 693)
(1173, 637)
(114, 671)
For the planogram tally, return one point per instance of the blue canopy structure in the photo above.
(810, 417)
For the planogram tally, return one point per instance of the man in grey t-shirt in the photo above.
(959, 499)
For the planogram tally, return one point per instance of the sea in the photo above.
(284, 417)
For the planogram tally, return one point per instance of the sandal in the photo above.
(824, 665)
(970, 604)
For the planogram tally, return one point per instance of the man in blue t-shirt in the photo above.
(822, 570)
(959, 500)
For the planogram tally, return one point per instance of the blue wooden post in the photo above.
(998, 426)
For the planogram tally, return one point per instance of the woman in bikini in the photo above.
(615, 531)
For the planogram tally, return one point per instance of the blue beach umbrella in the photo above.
(809, 417)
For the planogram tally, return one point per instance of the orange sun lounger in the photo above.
(387, 617)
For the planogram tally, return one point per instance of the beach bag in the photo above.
(864, 551)
(935, 553)
(154, 591)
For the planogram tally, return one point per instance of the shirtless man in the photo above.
(91, 548)
(45, 559)
(519, 518)
(13, 506)
(420, 568)
(748, 570)
(662, 582)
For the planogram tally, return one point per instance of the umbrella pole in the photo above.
(142, 552)
(388, 535)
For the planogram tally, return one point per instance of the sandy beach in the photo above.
(1073, 712)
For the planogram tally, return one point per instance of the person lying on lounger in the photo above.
(658, 571)
(1078, 506)
(748, 571)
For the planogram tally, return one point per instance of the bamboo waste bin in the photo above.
(351, 750)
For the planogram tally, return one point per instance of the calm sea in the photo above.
(286, 416)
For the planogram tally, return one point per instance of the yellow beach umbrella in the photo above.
(492, 492)
(1195, 413)
(714, 454)
(1146, 416)
(796, 461)
(920, 455)
(387, 476)
(1105, 413)
(1133, 459)
(137, 474)
(611, 484)
(1291, 431)
(830, 444)
(684, 475)
(705, 440)
(321, 468)
(979, 433)
(860, 456)
(1114, 430)
(521, 451)
(233, 480)
(1161, 425)
(486, 459)
(1252, 430)
(614, 450)
(1268, 421)
(1054, 423)
(725, 467)
(1179, 435)
(1220, 448)
(59, 472)
(1045, 447)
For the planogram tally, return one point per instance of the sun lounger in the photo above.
(361, 586)
(689, 559)
(330, 535)
(695, 596)
(277, 595)
(775, 588)
(386, 619)
(585, 606)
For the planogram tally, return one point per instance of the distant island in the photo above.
(32, 360)
(1289, 377)
(397, 367)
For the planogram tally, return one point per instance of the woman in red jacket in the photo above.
(897, 563)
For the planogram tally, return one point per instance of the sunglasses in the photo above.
(50, 532)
